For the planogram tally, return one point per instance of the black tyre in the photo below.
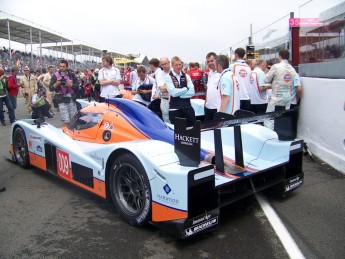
(20, 146)
(130, 190)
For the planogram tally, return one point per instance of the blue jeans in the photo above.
(13, 99)
(8, 103)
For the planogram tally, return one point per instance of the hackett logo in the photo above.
(186, 138)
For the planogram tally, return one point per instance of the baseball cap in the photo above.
(26, 68)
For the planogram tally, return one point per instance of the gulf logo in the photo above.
(287, 78)
(243, 73)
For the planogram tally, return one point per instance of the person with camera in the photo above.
(65, 85)
(40, 105)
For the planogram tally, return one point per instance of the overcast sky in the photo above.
(186, 28)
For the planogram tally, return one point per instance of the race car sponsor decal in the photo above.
(39, 149)
(202, 226)
(35, 137)
(242, 73)
(95, 157)
(106, 125)
(186, 140)
(167, 189)
(293, 183)
(203, 218)
(167, 200)
(106, 135)
(63, 164)
(287, 77)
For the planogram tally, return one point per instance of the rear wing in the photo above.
(187, 140)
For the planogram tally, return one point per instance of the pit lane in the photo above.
(43, 216)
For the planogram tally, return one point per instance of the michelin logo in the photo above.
(205, 225)
(293, 184)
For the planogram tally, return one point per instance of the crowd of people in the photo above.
(23, 59)
(167, 89)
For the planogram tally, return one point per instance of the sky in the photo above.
(185, 28)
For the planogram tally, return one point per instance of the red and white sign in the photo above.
(63, 164)
(304, 22)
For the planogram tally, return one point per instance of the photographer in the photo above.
(40, 106)
(65, 85)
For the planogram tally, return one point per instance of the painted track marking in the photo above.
(289, 244)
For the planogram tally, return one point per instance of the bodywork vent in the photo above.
(82, 174)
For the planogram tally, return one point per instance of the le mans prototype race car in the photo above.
(176, 179)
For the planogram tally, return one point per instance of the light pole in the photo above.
(299, 8)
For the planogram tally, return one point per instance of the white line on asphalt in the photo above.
(278, 226)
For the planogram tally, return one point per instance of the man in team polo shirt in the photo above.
(229, 86)
(181, 89)
(281, 77)
(213, 97)
(258, 87)
(242, 72)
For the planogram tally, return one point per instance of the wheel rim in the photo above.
(130, 189)
(20, 147)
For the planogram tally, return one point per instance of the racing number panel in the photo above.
(58, 163)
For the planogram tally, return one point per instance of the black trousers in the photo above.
(259, 108)
(245, 105)
(40, 112)
(187, 113)
(209, 113)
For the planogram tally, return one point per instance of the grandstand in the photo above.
(46, 46)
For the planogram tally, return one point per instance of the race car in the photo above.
(176, 179)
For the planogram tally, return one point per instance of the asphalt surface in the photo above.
(42, 216)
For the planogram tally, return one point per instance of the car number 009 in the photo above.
(63, 163)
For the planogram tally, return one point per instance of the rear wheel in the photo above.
(130, 190)
(20, 146)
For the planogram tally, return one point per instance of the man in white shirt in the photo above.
(109, 78)
(258, 87)
(164, 94)
(213, 97)
(242, 72)
(229, 86)
(142, 96)
(133, 75)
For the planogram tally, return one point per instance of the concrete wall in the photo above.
(332, 69)
(322, 119)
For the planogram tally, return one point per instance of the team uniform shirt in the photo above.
(296, 82)
(213, 96)
(108, 74)
(282, 77)
(196, 76)
(257, 79)
(137, 83)
(159, 79)
(175, 91)
(242, 72)
(127, 78)
(229, 86)
(133, 76)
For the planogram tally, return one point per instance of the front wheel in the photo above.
(130, 190)
(20, 146)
